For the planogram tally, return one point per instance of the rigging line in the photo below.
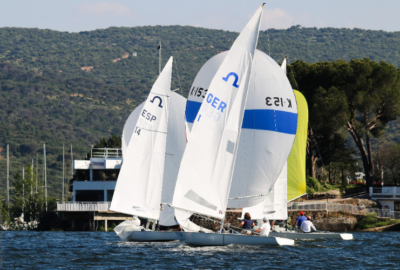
(297, 87)
(215, 221)
(238, 212)
(177, 72)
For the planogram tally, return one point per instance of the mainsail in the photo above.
(206, 170)
(139, 185)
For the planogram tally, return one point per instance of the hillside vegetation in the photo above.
(75, 88)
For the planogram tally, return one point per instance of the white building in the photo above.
(93, 190)
(387, 196)
(104, 161)
(97, 177)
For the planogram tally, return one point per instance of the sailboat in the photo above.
(222, 128)
(153, 142)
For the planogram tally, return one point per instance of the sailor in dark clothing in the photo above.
(246, 224)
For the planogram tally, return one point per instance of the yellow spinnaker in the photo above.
(297, 158)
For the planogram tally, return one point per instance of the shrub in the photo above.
(313, 183)
(371, 221)
(310, 191)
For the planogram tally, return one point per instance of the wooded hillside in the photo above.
(75, 88)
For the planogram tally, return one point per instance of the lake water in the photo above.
(89, 250)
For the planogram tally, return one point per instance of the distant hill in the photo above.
(74, 88)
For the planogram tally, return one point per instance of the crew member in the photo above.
(300, 220)
(265, 228)
(246, 224)
(308, 226)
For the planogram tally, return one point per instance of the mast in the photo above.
(45, 174)
(36, 193)
(159, 58)
(23, 189)
(63, 180)
(72, 164)
(8, 178)
(30, 198)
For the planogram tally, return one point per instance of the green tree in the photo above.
(388, 157)
(26, 200)
(369, 92)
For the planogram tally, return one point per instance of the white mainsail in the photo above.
(206, 170)
(141, 175)
(176, 143)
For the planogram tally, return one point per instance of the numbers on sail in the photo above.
(198, 92)
(137, 130)
(278, 102)
(148, 116)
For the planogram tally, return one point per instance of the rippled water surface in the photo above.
(50, 250)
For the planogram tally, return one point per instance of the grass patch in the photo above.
(371, 221)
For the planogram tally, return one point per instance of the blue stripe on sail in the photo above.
(279, 121)
(286, 122)
(192, 108)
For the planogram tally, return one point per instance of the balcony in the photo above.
(83, 206)
(106, 153)
(384, 192)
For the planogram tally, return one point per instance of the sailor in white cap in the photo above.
(265, 228)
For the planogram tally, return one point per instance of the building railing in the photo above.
(384, 192)
(326, 206)
(83, 206)
(106, 153)
(347, 208)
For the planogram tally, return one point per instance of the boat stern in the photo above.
(346, 236)
(284, 241)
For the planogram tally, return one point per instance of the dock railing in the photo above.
(83, 206)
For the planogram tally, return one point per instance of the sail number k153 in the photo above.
(278, 102)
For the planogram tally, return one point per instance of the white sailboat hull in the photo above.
(216, 239)
(151, 236)
(312, 236)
